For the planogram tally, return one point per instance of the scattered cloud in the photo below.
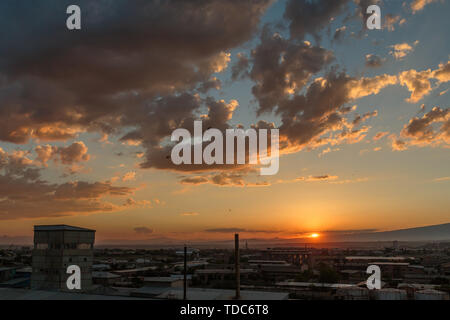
(339, 33)
(318, 178)
(143, 230)
(390, 21)
(418, 82)
(76, 152)
(327, 151)
(224, 179)
(401, 50)
(432, 129)
(418, 5)
(380, 135)
(397, 144)
(374, 61)
(442, 179)
(239, 230)
(129, 176)
(190, 214)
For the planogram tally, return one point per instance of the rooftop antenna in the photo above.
(185, 274)
(237, 266)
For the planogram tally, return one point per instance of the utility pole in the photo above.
(237, 266)
(185, 274)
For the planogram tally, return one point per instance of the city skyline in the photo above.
(86, 117)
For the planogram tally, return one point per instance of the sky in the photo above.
(86, 116)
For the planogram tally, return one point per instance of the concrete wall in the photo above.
(56, 250)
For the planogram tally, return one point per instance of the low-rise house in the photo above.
(105, 278)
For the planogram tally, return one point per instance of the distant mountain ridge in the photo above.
(428, 233)
(439, 232)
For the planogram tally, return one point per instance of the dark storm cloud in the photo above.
(56, 83)
(23, 194)
(172, 112)
(240, 68)
(25, 198)
(374, 61)
(281, 66)
(339, 34)
(431, 129)
(135, 68)
(310, 17)
(283, 71)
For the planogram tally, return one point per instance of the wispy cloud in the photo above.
(241, 230)
(442, 179)
(143, 230)
(401, 50)
(190, 214)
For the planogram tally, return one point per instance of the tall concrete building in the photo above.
(57, 247)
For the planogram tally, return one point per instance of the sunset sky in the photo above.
(86, 116)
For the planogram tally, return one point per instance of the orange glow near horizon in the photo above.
(315, 235)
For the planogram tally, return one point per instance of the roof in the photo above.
(148, 292)
(161, 279)
(61, 227)
(15, 282)
(417, 286)
(8, 269)
(416, 266)
(351, 271)
(432, 292)
(391, 290)
(316, 285)
(269, 262)
(26, 294)
(222, 271)
(377, 258)
(104, 275)
(192, 264)
(209, 294)
(399, 264)
(133, 270)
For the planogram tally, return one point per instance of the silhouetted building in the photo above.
(395, 245)
(58, 247)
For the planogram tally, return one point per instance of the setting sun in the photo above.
(315, 235)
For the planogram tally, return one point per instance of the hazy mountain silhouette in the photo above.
(428, 233)
(419, 234)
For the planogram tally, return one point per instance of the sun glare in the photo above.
(315, 235)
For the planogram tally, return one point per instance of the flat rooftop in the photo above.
(378, 258)
(134, 270)
(104, 275)
(208, 294)
(223, 271)
(267, 262)
(399, 264)
(60, 227)
(161, 279)
(26, 294)
(316, 285)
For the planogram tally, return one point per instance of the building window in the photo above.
(70, 246)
